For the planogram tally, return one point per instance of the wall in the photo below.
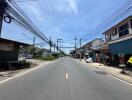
(96, 44)
(111, 31)
(7, 54)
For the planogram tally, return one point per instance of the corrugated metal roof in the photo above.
(16, 42)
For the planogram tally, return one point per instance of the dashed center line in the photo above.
(67, 76)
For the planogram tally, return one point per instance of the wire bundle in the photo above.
(21, 19)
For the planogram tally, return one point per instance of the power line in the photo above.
(117, 14)
(53, 19)
(24, 21)
(27, 36)
(26, 0)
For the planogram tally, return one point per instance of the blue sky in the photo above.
(63, 19)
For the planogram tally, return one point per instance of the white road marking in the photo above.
(20, 74)
(121, 80)
(66, 76)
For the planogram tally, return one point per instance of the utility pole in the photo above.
(2, 11)
(75, 42)
(33, 44)
(75, 45)
(54, 48)
(50, 43)
(33, 41)
(80, 47)
(57, 45)
(58, 40)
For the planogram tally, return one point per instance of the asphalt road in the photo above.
(65, 79)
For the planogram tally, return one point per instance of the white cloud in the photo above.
(73, 6)
(65, 6)
(34, 9)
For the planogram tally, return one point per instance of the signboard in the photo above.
(6, 46)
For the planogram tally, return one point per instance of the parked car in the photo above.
(89, 60)
(29, 56)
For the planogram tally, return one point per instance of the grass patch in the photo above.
(46, 58)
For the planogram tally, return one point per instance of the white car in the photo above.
(89, 60)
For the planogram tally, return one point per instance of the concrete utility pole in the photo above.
(75, 45)
(75, 42)
(54, 48)
(2, 11)
(57, 45)
(33, 41)
(80, 47)
(33, 44)
(50, 43)
(58, 40)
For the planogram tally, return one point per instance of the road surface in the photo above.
(65, 79)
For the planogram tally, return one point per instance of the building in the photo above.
(9, 50)
(92, 48)
(42, 52)
(119, 40)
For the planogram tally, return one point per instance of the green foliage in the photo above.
(46, 58)
(25, 63)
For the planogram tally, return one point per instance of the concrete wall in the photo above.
(96, 44)
(8, 56)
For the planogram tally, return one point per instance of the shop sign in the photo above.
(6, 46)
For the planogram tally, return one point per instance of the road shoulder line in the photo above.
(113, 76)
(23, 73)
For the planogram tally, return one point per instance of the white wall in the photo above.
(115, 37)
(96, 44)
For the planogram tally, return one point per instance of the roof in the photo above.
(129, 17)
(12, 41)
(89, 43)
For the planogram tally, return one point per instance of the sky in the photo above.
(63, 19)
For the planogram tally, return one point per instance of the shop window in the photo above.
(123, 30)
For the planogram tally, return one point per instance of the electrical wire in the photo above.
(116, 15)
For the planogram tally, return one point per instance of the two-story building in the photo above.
(119, 40)
(92, 48)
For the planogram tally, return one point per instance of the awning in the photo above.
(123, 47)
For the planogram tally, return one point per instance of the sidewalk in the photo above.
(111, 70)
(7, 74)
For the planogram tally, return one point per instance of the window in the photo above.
(123, 30)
